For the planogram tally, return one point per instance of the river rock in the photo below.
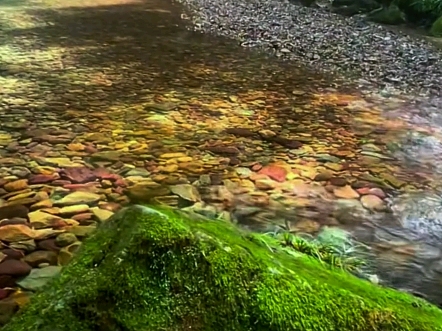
(38, 278)
(275, 172)
(373, 202)
(78, 197)
(345, 192)
(67, 253)
(16, 232)
(13, 211)
(41, 220)
(16, 185)
(65, 239)
(14, 268)
(36, 258)
(101, 214)
(186, 191)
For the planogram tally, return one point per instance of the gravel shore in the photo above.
(330, 42)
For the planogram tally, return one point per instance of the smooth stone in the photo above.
(144, 192)
(38, 278)
(65, 239)
(265, 184)
(373, 202)
(48, 245)
(172, 155)
(16, 185)
(14, 268)
(14, 254)
(74, 209)
(25, 245)
(138, 172)
(16, 232)
(41, 220)
(186, 191)
(13, 211)
(78, 197)
(275, 172)
(42, 234)
(35, 258)
(345, 192)
(323, 176)
(106, 156)
(67, 253)
(81, 231)
(78, 175)
(102, 214)
(62, 162)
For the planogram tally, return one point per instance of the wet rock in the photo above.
(14, 268)
(7, 310)
(48, 245)
(373, 202)
(323, 176)
(41, 220)
(36, 258)
(25, 245)
(144, 192)
(67, 253)
(16, 232)
(65, 239)
(286, 142)
(78, 197)
(78, 175)
(345, 192)
(241, 132)
(42, 179)
(74, 209)
(38, 278)
(16, 185)
(101, 214)
(111, 156)
(338, 181)
(7, 281)
(81, 231)
(187, 192)
(223, 150)
(13, 211)
(265, 184)
(275, 172)
(12, 253)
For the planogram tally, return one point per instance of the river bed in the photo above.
(108, 103)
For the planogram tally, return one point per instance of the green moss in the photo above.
(391, 15)
(147, 270)
(436, 28)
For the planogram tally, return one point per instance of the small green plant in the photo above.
(427, 6)
(432, 7)
(436, 28)
(331, 247)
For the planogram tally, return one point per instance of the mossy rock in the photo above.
(154, 269)
(391, 15)
(436, 28)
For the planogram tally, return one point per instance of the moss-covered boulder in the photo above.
(390, 15)
(152, 269)
(436, 28)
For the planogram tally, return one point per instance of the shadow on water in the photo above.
(142, 47)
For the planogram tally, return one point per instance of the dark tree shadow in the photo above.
(142, 46)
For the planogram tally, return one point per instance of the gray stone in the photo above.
(38, 278)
